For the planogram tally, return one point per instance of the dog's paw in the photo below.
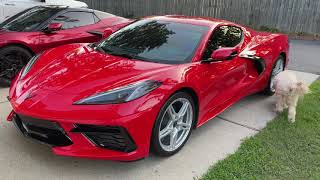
(292, 120)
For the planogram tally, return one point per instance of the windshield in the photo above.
(29, 19)
(156, 41)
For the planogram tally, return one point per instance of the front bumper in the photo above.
(111, 142)
(50, 133)
(46, 132)
(130, 123)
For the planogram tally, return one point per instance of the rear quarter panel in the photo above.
(268, 46)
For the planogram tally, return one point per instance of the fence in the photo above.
(285, 15)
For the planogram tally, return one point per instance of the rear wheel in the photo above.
(173, 125)
(12, 59)
(277, 68)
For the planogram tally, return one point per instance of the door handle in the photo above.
(9, 4)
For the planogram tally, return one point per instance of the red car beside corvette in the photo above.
(39, 28)
(144, 88)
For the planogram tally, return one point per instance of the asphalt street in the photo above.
(305, 56)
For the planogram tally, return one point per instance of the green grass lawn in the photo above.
(281, 150)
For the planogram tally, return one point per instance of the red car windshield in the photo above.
(156, 41)
(29, 19)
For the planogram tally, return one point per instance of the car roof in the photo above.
(195, 20)
(62, 7)
(53, 6)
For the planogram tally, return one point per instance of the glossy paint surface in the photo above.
(66, 74)
(39, 41)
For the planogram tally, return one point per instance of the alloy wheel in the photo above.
(279, 67)
(175, 124)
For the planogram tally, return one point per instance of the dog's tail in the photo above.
(302, 88)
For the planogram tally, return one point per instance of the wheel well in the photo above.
(22, 46)
(283, 54)
(195, 98)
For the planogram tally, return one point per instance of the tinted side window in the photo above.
(224, 36)
(74, 19)
(29, 19)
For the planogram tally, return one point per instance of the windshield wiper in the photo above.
(118, 53)
(97, 48)
(129, 56)
(115, 51)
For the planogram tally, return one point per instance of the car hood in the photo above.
(80, 71)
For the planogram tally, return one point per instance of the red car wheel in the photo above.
(277, 68)
(12, 59)
(173, 125)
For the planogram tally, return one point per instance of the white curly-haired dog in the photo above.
(288, 90)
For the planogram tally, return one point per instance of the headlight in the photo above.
(122, 94)
(29, 65)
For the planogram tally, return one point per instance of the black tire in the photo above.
(12, 60)
(269, 91)
(155, 142)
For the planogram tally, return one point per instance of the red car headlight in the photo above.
(122, 94)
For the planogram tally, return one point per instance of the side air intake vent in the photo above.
(109, 137)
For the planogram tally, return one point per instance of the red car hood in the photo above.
(79, 71)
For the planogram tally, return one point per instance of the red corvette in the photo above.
(43, 27)
(145, 87)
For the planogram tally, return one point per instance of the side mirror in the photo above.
(54, 27)
(107, 32)
(223, 54)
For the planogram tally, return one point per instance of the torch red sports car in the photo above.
(43, 27)
(145, 87)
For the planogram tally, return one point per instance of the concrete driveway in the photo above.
(24, 159)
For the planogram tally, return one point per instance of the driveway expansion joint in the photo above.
(239, 124)
(3, 102)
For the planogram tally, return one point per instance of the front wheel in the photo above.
(277, 68)
(173, 125)
(12, 60)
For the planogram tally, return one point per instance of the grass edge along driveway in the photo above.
(281, 150)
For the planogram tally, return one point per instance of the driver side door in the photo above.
(221, 80)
